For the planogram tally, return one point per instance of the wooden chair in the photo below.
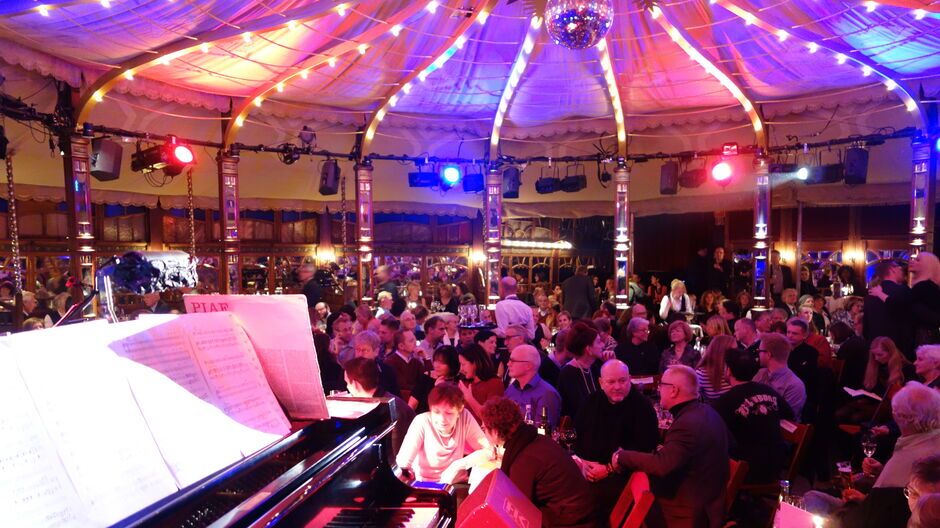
(735, 481)
(838, 365)
(634, 503)
(799, 437)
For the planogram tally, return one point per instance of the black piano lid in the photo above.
(229, 496)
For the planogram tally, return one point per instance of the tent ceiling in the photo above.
(356, 62)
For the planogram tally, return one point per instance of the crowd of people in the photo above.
(568, 396)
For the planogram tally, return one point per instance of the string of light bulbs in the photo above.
(515, 76)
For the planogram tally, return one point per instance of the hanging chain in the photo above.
(14, 226)
(342, 185)
(192, 216)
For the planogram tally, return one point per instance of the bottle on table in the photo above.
(528, 414)
(544, 428)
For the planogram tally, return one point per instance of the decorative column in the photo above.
(78, 201)
(364, 225)
(923, 188)
(762, 241)
(622, 233)
(228, 211)
(493, 232)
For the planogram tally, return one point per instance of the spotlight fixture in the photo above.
(423, 178)
(802, 173)
(729, 149)
(173, 157)
(575, 179)
(288, 154)
(722, 172)
(473, 181)
(450, 175)
(548, 184)
(308, 137)
(512, 180)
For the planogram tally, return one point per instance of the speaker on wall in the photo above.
(856, 166)
(106, 159)
(669, 178)
(329, 177)
(512, 180)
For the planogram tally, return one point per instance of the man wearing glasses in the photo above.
(773, 353)
(689, 473)
(527, 388)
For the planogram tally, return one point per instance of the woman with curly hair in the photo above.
(539, 467)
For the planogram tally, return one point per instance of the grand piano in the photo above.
(336, 473)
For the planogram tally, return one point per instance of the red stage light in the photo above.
(721, 172)
(183, 154)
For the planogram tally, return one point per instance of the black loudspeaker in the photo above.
(512, 180)
(106, 159)
(669, 178)
(692, 178)
(473, 182)
(825, 174)
(856, 166)
(329, 177)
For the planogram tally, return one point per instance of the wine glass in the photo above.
(568, 438)
(869, 446)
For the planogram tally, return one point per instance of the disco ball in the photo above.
(578, 24)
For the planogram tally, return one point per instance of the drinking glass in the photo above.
(845, 473)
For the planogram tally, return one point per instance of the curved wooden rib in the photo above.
(814, 43)
(315, 61)
(693, 50)
(96, 92)
(480, 12)
(515, 75)
(613, 91)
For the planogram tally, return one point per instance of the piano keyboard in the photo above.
(417, 517)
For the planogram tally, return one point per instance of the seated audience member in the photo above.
(331, 373)
(814, 337)
(341, 345)
(681, 352)
(773, 354)
(712, 381)
(616, 417)
(438, 438)
(637, 351)
(32, 323)
(323, 313)
(489, 342)
(752, 412)
(421, 316)
(927, 365)
(407, 368)
(714, 326)
(445, 368)
(690, 471)
(387, 329)
(603, 328)
(853, 350)
(885, 374)
(676, 305)
(479, 378)
(803, 358)
(362, 379)
(745, 331)
(528, 388)
(914, 466)
(384, 300)
(578, 378)
(926, 512)
(363, 316)
(407, 321)
(730, 311)
(366, 344)
(451, 329)
(762, 320)
(434, 330)
(539, 467)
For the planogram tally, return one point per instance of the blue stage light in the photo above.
(450, 175)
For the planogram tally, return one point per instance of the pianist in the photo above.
(440, 437)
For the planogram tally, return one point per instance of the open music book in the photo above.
(859, 392)
(100, 421)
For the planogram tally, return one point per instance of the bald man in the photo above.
(616, 417)
(689, 473)
(528, 388)
(510, 311)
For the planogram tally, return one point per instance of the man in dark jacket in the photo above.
(690, 472)
(887, 309)
(579, 295)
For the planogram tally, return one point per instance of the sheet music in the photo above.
(195, 438)
(279, 328)
(35, 490)
(86, 405)
(859, 392)
(233, 371)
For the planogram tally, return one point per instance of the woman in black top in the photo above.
(578, 379)
(539, 467)
(445, 368)
(925, 294)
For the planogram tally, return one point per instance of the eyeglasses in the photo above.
(764, 350)
(514, 360)
(512, 336)
(910, 493)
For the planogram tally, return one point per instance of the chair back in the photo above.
(799, 437)
(735, 480)
(634, 503)
(838, 365)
